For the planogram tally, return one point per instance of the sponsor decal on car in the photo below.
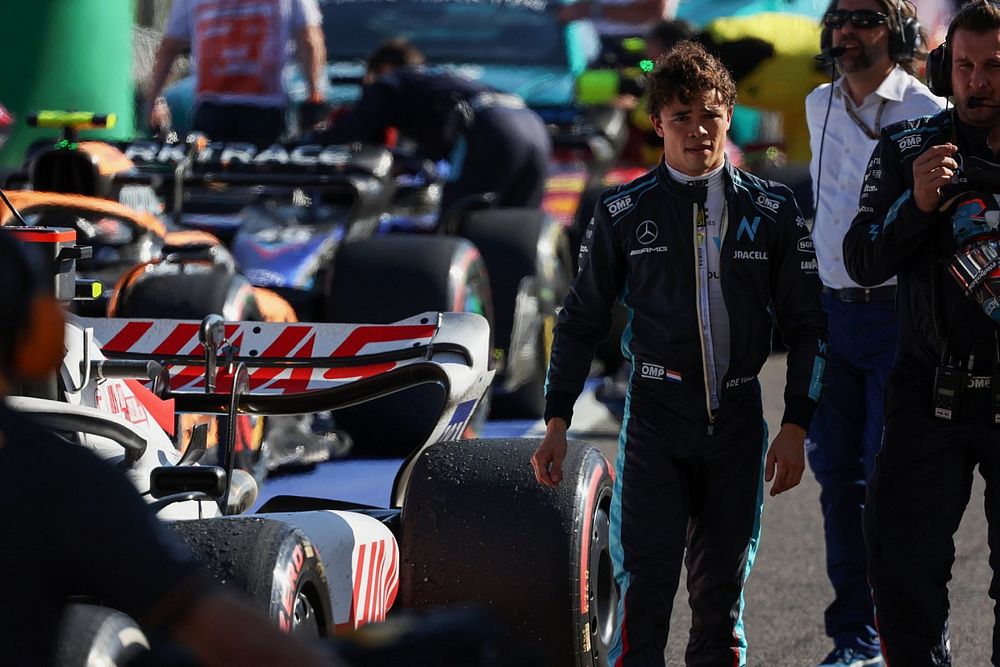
(456, 426)
(238, 153)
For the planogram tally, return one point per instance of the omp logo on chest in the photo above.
(619, 205)
(912, 141)
(769, 204)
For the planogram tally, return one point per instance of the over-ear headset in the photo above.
(939, 69)
(904, 35)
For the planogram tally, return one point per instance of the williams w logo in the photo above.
(748, 228)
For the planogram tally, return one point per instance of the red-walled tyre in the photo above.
(478, 530)
(272, 562)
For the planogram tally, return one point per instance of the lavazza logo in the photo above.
(770, 204)
(912, 141)
(619, 205)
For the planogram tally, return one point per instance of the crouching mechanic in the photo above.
(491, 140)
(928, 214)
(73, 525)
(697, 250)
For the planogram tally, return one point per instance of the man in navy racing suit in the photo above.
(929, 194)
(700, 253)
(492, 141)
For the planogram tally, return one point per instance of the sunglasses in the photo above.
(860, 18)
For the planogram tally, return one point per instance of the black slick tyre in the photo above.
(478, 530)
(196, 291)
(272, 562)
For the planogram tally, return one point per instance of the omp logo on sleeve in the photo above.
(912, 141)
(748, 228)
(619, 205)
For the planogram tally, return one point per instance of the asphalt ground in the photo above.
(788, 589)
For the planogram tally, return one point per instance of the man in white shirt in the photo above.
(875, 45)
(239, 49)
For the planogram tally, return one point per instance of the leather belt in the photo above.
(862, 294)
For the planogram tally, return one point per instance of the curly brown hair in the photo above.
(685, 72)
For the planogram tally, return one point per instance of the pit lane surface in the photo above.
(788, 589)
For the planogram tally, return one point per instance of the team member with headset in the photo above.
(875, 46)
(66, 539)
(928, 214)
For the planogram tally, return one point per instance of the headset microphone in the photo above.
(829, 54)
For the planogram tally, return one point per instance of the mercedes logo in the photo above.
(646, 232)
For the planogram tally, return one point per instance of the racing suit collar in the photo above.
(698, 190)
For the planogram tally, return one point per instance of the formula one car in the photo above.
(464, 520)
(343, 234)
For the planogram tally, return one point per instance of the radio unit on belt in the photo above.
(949, 385)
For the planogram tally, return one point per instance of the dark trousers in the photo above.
(915, 502)
(678, 488)
(845, 435)
(507, 152)
(262, 126)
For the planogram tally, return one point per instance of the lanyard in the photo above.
(869, 132)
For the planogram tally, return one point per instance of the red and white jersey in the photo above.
(240, 47)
